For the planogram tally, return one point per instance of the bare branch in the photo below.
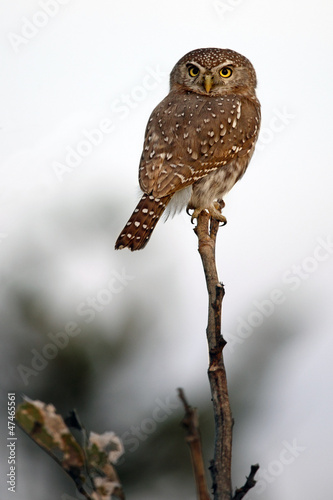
(206, 232)
(250, 483)
(191, 423)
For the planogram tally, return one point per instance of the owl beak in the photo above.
(208, 82)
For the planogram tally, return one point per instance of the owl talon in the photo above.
(214, 212)
(196, 213)
(188, 211)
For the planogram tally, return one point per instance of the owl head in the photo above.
(213, 72)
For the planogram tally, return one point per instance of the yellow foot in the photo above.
(214, 211)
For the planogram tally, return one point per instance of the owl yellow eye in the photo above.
(193, 71)
(226, 72)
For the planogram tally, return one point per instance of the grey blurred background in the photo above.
(72, 67)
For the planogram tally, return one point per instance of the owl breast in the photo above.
(213, 186)
(216, 185)
(189, 137)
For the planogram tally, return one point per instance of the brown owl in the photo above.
(198, 141)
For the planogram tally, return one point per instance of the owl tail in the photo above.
(138, 229)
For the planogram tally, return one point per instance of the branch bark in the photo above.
(191, 423)
(206, 231)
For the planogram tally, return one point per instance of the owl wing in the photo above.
(188, 136)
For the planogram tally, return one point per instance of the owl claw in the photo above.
(196, 214)
(188, 210)
(214, 212)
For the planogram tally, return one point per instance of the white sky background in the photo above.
(66, 79)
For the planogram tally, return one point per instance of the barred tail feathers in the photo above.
(143, 220)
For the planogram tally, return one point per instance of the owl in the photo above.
(198, 140)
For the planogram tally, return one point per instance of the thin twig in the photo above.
(250, 483)
(191, 423)
(206, 231)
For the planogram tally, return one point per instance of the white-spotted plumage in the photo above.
(198, 141)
